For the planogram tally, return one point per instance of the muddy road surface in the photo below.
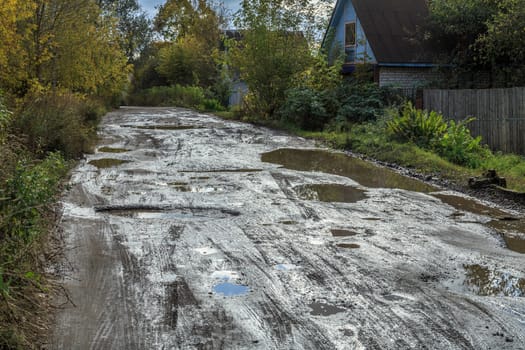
(184, 231)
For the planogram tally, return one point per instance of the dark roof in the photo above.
(390, 27)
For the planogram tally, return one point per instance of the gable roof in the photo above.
(390, 27)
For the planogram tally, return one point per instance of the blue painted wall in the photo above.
(343, 13)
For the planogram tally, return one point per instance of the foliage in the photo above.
(420, 127)
(458, 146)
(58, 121)
(430, 131)
(67, 44)
(5, 121)
(182, 96)
(479, 35)
(273, 50)
(360, 102)
(31, 187)
(305, 108)
(133, 25)
(188, 62)
(502, 43)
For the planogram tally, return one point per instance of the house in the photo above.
(382, 33)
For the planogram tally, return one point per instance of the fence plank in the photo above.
(499, 113)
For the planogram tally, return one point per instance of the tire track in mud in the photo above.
(154, 238)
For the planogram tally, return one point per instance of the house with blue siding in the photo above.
(382, 33)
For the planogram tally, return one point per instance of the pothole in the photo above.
(349, 245)
(162, 127)
(105, 163)
(469, 205)
(240, 170)
(365, 173)
(324, 309)
(168, 212)
(113, 150)
(286, 267)
(513, 232)
(228, 289)
(488, 282)
(330, 193)
(343, 233)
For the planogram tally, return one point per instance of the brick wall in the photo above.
(407, 78)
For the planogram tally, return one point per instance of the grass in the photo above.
(372, 140)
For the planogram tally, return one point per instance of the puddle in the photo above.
(367, 174)
(107, 163)
(372, 219)
(228, 289)
(469, 205)
(225, 275)
(349, 245)
(139, 212)
(343, 233)
(113, 150)
(206, 251)
(286, 267)
(288, 222)
(183, 187)
(200, 178)
(162, 127)
(330, 193)
(511, 228)
(221, 171)
(488, 282)
(513, 232)
(323, 309)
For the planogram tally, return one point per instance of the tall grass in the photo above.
(177, 95)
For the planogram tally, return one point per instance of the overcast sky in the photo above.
(149, 5)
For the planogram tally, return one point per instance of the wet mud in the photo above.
(106, 163)
(199, 243)
(343, 233)
(510, 227)
(330, 193)
(113, 150)
(489, 282)
(364, 173)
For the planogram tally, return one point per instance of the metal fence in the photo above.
(499, 113)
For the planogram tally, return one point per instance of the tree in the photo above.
(65, 44)
(273, 50)
(502, 45)
(193, 28)
(455, 25)
(133, 25)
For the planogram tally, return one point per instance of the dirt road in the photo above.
(184, 231)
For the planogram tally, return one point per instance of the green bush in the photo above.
(304, 107)
(58, 121)
(177, 95)
(458, 146)
(30, 188)
(420, 127)
(360, 102)
(430, 131)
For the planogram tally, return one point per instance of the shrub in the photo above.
(30, 188)
(430, 131)
(57, 121)
(177, 95)
(420, 127)
(458, 146)
(360, 102)
(304, 107)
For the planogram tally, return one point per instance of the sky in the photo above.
(149, 5)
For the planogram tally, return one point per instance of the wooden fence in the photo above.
(499, 113)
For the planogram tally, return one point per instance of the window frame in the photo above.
(354, 23)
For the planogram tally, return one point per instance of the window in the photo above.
(350, 34)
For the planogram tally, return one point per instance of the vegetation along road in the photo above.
(184, 231)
